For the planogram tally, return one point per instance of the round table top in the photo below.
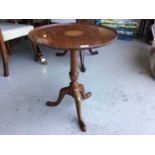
(73, 36)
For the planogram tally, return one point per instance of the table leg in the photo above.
(93, 52)
(83, 93)
(62, 93)
(75, 90)
(78, 108)
(38, 54)
(62, 53)
(83, 69)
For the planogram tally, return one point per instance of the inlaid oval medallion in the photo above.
(73, 33)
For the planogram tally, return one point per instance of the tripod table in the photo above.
(73, 37)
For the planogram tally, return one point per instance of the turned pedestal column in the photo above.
(75, 90)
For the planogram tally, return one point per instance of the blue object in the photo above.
(126, 29)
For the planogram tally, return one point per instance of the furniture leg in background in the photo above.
(83, 68)
(4, 56)
(61, 53)
(38, 56)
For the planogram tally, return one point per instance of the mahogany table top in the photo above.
(73, 36)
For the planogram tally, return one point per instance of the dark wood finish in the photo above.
(83, 68)
(73, 37)
(88, 21)
(37, 53)
(62, 53)
(4, 56)
(75, 90)
(86, 34)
